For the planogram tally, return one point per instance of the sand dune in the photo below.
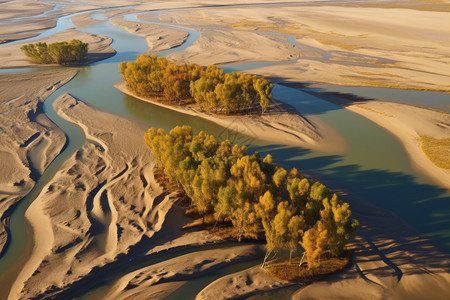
(375, 46)
(30, 141)
(158, 38)
(24, 19)
(26, 133)
(218, 46)
(159, 280)
(94, 208)
(241, 284)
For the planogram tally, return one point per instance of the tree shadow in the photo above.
(424, 205)
(97, 57)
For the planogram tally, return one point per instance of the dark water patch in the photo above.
(30, 140)
(190, 289)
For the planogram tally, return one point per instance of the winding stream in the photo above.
(374, 166)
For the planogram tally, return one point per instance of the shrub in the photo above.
(56, 53)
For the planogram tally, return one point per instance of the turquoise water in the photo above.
(430, 99)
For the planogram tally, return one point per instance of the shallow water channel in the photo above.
(374, 166)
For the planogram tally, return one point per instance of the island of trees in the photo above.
(56, 53)
(211, 88)
(223, 179)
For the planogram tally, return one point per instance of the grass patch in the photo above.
(283, 270)
(373, 110)
(339, 44)
(380, 74)
(377, 83)
(263, 26)
(437, 150)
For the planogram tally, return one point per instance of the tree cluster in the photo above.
(223, 179)
(211, 88)
(56, 53)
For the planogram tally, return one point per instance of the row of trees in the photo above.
(56, 53)
(223, 179)
(211, 88)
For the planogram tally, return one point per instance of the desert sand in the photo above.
(242, 284)
(376, 46)
(30, 141)
(101, 202)
(174, 272)
(104, 211)
(158, 38)
(98, 48)
(25, 19)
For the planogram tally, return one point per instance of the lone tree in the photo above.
(56, 53)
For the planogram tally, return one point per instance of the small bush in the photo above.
(56, 53)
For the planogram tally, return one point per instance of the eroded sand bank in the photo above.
(409, 123)
(341, 44)
(101, 202)
(30, 141)
(158, 38)
(278, 125)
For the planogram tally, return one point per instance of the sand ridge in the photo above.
(30, 141)
(375, 46)
(101, 202)
(158, 38)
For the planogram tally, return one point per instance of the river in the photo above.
(374, 166)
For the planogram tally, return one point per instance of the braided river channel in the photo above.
(374, 167)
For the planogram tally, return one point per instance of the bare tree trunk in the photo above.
(265, 258)
(217, 220)
(290, 256)
(275, 253)
(240, 232)
(301, 260)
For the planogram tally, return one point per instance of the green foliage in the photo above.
(224, 180)
(56, 53)
(211, 88)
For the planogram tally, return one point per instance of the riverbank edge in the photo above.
(266, 127)
(405, 131)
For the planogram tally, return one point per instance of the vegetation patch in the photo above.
(56, 53)
(437, 150)
(282, 269)
(380, 74)
(226, 184)
(373, 110)
(210, 88)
